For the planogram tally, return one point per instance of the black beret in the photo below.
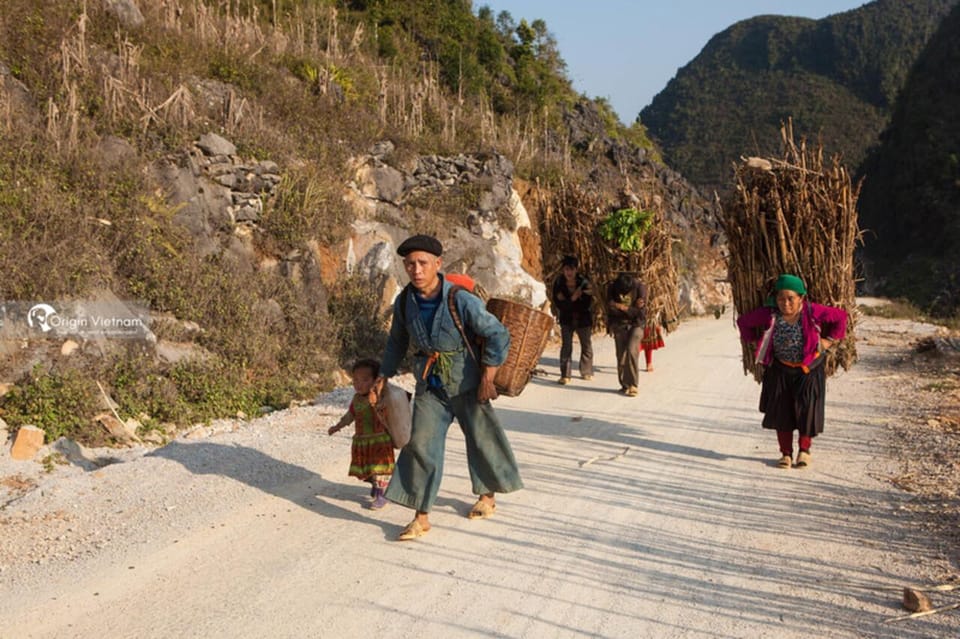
(425, 243)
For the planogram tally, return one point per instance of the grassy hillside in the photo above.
(307, 84)
(836, 77)
(910, 203)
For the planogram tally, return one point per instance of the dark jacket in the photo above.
(621, 292)
(573, 313)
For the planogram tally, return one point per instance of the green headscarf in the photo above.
(787, 282)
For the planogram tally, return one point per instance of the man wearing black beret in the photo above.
(425, 243)
(454, 380)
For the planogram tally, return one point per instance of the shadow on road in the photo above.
(604, 466)
(296, 484)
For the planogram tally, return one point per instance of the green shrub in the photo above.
(62, 403)
(212, 389)
(235, 71)
(184, 393)
(141, 386)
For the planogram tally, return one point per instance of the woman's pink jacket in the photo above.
(816, 320)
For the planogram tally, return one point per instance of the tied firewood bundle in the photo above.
(659, 273)
(796, 214)
(571, 219)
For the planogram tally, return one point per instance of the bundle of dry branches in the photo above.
(569, 220)
(794, 215)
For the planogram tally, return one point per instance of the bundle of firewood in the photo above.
(658, 272)
(570, 218)
(795, 214)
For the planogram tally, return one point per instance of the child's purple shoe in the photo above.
(379, 501)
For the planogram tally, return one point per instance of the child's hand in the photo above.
(376, 392)
(333, 429)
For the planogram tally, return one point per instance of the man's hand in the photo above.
(334, 429)
(487, 390)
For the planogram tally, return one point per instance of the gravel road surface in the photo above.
(662, 515)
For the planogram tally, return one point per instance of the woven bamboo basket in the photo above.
(529, 332)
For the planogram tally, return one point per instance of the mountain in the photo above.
(836, 77)
(910, 201)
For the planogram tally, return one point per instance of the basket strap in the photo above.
(458, 322)
(454, 313)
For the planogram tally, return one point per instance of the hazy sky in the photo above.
(627, 50)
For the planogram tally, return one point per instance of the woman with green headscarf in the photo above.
(791, 339)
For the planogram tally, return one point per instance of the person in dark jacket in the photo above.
(626, 315)
(573, 297)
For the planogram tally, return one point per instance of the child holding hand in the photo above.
(371, 454)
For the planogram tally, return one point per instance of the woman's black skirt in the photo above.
(793, 400)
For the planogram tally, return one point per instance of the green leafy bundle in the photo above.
(627, 228)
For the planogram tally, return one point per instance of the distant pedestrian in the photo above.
(626, 315)
(791, 339)
(652, 339)
(573, 297)
(371, 453)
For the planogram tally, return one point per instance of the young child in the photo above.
(371, 454)
(652, 340)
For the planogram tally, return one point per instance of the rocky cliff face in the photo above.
(471, 202)
(485, 217)
(466, 201)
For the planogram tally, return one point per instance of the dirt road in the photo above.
(656, 516)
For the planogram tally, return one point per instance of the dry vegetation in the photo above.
(927, 438)
(796, 214)
(303, 85)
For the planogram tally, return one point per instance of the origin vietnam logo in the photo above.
(40, 316)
